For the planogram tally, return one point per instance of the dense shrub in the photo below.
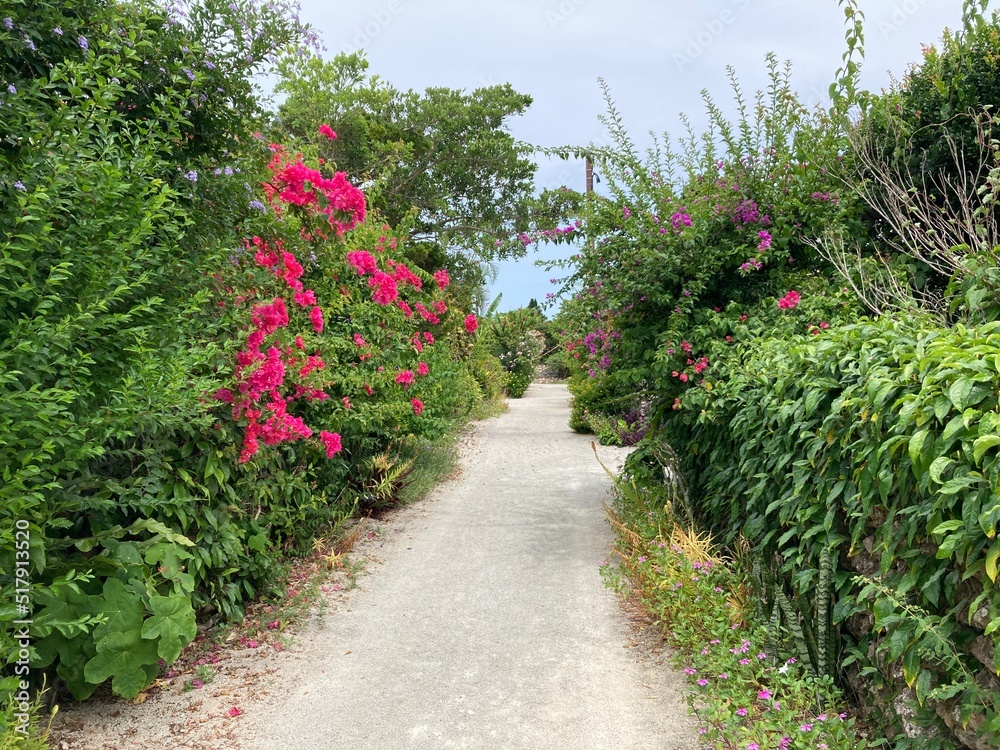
(875, 442)
(515, 340)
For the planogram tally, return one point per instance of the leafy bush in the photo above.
(558, 364)
(879, 445)
(514, 339)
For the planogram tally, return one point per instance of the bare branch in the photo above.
(937, 218)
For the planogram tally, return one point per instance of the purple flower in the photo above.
(11, 89)
(8, 22)
(84, 44)
(192, 175)
(702, 682)
(20, 186)
(258, 206)
(764, 695)
(57, 31)
(741, 712)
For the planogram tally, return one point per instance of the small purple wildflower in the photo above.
(84, 44)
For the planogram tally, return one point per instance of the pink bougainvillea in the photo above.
(306, 298)
(363, 261)
(332, 442)
(385, 289)
(404, 275)
(278, 371)
(316, 316)
(295, 184)
(789, 301)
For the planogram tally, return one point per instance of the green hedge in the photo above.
(877, 441)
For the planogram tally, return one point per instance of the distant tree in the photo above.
(442, 159)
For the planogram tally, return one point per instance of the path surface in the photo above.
(488, 625)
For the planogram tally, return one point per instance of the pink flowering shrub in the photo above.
(790, 301)
(292, 364)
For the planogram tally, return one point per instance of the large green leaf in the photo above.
(124, 657)
(917, 447)
(123, 611)
(959, 393)
(991, 561)
(939, 467)
(983, 444)
(173, 623)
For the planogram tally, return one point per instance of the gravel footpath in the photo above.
(482, 623)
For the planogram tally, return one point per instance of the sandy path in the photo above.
(486, 625)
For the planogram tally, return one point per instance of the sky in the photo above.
(657, 56)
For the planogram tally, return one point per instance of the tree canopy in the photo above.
(442, 160)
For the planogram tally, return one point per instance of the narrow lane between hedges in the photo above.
(487, 625)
